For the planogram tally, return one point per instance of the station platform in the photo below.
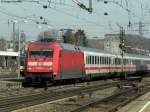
(142, 104)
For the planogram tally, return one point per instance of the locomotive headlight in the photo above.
(29, 68)
(32, 63)
(47, 63)
(50, 63)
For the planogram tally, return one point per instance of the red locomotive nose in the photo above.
(40, 66)
(40, 60)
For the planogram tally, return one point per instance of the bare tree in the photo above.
(48, 36)
(80, 38)
(69, 37)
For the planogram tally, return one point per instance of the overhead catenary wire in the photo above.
(50, 4)
(76, 17)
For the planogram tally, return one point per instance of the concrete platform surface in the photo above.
(142, 104)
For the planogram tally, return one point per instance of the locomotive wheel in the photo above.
(88, 78)
(45, 85)
(26, 83)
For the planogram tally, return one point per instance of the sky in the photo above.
(63, 14)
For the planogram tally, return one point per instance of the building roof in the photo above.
(132, 40)
(8, 53)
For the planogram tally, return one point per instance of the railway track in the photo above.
(115, 101)
(17, 102)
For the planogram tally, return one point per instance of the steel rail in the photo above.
(13, 103)
(109, 98)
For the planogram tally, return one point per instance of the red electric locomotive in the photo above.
(48, 62)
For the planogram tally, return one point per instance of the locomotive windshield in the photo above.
(41, 53)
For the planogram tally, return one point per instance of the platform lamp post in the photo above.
(18, 53)
(19, 49)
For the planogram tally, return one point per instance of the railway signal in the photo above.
(122, 41)
(122, 48)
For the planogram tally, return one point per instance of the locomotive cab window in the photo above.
(40, 53)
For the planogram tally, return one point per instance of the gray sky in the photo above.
(66, 14)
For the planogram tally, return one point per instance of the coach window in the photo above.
(89, 59)
(95, 59)
(105, 60)
(100, 60)
(112, 61)
(92, 59)
(108, 60)
(86, 61)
